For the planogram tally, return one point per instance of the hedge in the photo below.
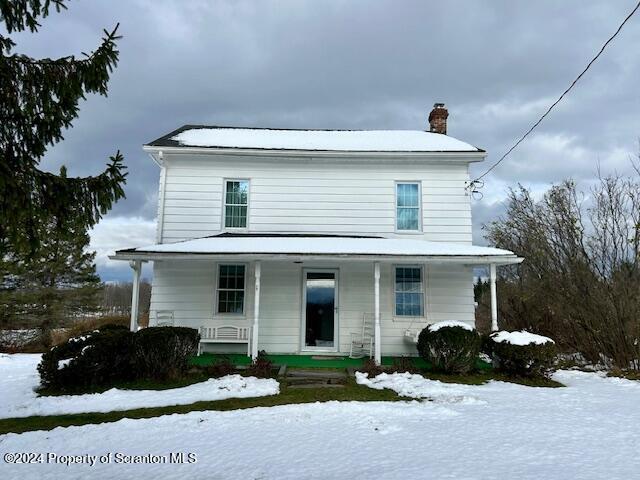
(450, 349)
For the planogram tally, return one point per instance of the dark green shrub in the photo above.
(93, 359)
(449, 349)
(220, 368)
(486, 344)
(114, 354)
(163, 352)
(261, 366)
(530, 360)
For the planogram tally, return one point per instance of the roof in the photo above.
(310, 245)
(202, 136)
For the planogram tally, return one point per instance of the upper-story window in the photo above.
(236, 203)
(408, 206)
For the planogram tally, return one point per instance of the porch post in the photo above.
(136, 265)
(494, 298)
(256, 311)
(376, 329)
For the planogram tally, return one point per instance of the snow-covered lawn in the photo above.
(19, 377)
(588, 430)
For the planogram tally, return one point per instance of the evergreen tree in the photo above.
(55, 282)
(38, 99)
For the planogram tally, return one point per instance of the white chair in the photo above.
(224, 334)
(362, 342)
(164, 318)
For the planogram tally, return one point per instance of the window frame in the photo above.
(423, 291)
(223, 223)
(216, 306)
(419, 207)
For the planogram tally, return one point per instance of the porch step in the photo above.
(315, 379)
(314, 374)
(317, 385)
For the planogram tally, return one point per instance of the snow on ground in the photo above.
(416, 386)
(587, 430)
(18, 378)
(18, 337)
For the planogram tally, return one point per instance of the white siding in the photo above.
(313, 195)
(188, 289)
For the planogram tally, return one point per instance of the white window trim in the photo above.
(224, 205)
(423, 279)
(395, 210)
(216, 311)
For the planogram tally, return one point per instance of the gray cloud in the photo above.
(356, 64)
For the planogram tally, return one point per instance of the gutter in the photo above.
(462, 156)
(458, 259)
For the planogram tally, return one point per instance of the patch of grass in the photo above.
(483, 376)
(628, 374)
(350, 392)
(133, 385)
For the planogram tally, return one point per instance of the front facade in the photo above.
(310, 241)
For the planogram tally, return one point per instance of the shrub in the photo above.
(114, 354)
(451, 348)
(221, 368)
(94, 359)
(164, 352)
(370, 367)
(403, 364)
(261, 366)
(522, 354)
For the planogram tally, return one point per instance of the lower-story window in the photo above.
(409, 291)
(231, 287)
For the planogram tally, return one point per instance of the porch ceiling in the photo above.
(298, 247)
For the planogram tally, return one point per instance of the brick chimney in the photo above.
(438, 119)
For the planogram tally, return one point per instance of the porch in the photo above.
(309, 294)
(313, 361)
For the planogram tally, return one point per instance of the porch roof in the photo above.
(308, 246)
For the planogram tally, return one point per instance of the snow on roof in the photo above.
(319, 245)
(520, 338)
(314, 140)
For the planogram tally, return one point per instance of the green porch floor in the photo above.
(298, 361)
(308, 361)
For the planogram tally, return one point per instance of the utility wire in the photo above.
(475, 182)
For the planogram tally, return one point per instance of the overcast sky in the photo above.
(351, 64)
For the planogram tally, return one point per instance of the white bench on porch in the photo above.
(224, 334)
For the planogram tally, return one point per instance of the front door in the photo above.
(320, 309)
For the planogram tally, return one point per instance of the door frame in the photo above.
(336, 311)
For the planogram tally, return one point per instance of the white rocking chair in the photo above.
(362, 342)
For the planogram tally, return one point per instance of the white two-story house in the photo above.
(309, 241)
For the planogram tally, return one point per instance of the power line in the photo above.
(474, 184)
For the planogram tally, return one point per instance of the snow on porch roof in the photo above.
(266, 245)
(312, 140)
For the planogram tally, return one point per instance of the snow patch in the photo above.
(416, 386)
(64, 363)
(520, 338)
(449, 323)
(19, 379)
